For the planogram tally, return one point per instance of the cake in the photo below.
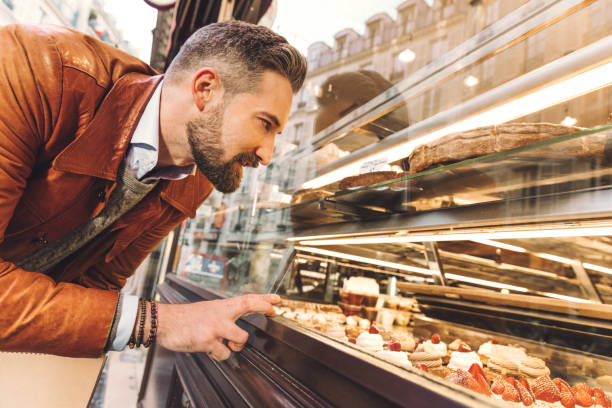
(358, 290)
(492, 139)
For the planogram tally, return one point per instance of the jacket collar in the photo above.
(98, 152)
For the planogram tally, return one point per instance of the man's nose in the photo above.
(264, 152)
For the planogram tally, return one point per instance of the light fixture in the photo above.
(371, 261)
(407, 55)
(461, 236)
(471, 81)
(556, 258)
(597, 268)
(542, 98)
(483, 282)
(569, 121)
(570, 298)
(500, 245)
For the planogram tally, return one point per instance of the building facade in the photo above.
(87, 16)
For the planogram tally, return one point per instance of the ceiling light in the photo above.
(563, 297)
(407, 55)
(483, 282)
(471, 81)
(468, 235)
(500, 245)
(535, 101)
(597, 268)
(569, 121)
(371, 261)
(556, 258)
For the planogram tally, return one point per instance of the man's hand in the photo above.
(202, 326)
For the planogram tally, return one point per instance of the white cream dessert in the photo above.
(486, 349)
(439, 348)
(397, 357)
(370, 341)
(361, 289)
(336, 331)
(364, 324)
(463, 360)
(319, 318)
(352, 321)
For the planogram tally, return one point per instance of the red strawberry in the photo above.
(583, 398)
(317, 327)
(353, 340)
(493, 341)
(422, 367)
(584, 387)
(600, 398)
(421, 340)
(510, 393)
(511, 380)
(544, 389)
(524, 393)
(475, 368)
(483, 383)
(435, 339)
(567, 398)
(464, 348)
(525, 384)
(373, 330)
(465, 379)
(395, 346)
(498, 385)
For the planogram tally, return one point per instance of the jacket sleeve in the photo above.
(38, 314)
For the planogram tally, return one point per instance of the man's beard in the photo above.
(204, 136)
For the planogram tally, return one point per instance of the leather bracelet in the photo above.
(143, 312)
(153, 331)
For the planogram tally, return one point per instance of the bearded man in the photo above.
(101, 157)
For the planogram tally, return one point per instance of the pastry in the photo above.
(533, 367)
(367, 179)
(301, 196)
(463, 360)
(491, 139)
(337, 332)
(370, 340)
(395, 355)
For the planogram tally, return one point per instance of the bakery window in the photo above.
(450, 229)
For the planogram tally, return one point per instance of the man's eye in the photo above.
(267, 125)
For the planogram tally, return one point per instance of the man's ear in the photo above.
(204, 86)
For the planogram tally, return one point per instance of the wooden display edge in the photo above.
(591, 310)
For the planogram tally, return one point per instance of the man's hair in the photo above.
(240, 52)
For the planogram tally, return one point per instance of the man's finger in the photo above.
(219, 351)
(234, 346)
(248, 304)
(233, 333)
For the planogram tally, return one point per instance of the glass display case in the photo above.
(440, 199)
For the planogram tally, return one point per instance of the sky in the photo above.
(302, 22)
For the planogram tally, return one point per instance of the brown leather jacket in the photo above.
(68, 107)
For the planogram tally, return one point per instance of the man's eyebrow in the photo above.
(273, 118)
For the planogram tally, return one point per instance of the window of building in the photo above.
(406, 17)
(374, 32)
(341, 46)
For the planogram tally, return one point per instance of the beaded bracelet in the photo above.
(153, 331)
(143, 313)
